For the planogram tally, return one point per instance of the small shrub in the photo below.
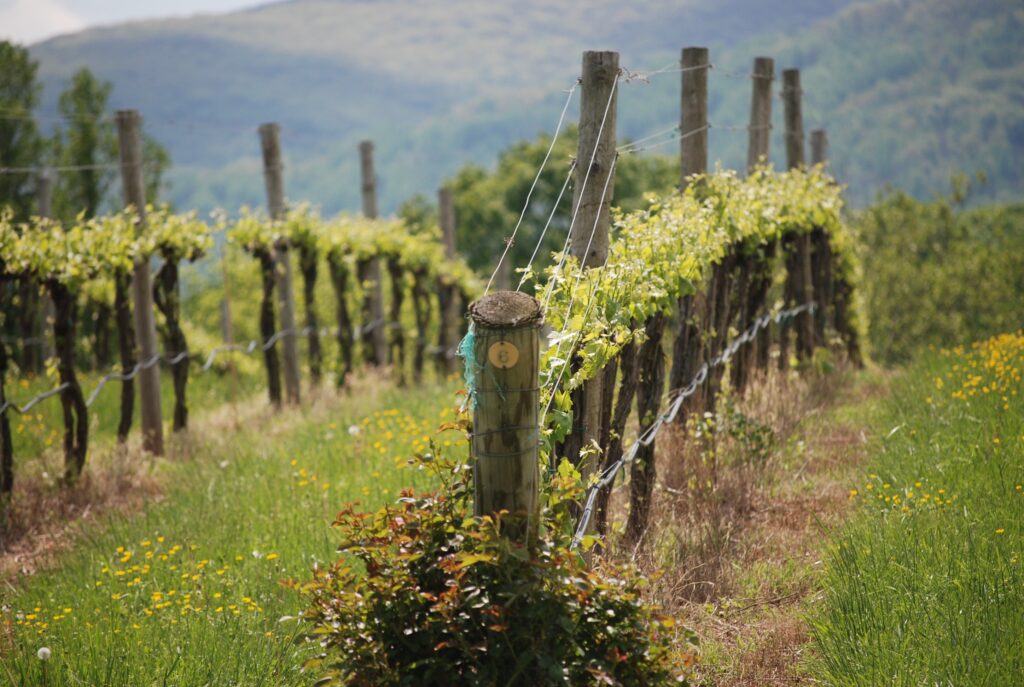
(428, 594)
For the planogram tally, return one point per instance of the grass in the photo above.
(41, 429)
(925, 584)
(741, 529)
(188, 591)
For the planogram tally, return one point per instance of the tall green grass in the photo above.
(42, 428)
(925, 585)
(188, 592)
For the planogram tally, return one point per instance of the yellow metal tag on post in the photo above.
(503, 355)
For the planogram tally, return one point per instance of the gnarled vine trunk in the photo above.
(273, 364)
(6, 445)
(126, 348)
(30, 318)
(760, 349)
(309, 267)
(397, 342)
(651, 370)
(346, 338)
(687, 350)
(76, 414)
(789, 250)
(167, 298)
(615, 428)
(421, 312)
(720, 316)
(101, 317)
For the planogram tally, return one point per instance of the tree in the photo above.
(20, 147)
(20, 144)
(88, 142)
(419, 214)
(488, 204)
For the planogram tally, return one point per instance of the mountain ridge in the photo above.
(438, 84)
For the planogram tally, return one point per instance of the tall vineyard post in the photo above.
(44, 198)
(758, 260)
(838, 290)
(130, 144)
(758, 148)
(798, 245)
(273, 174)
(505, 443)
(448, 333)
(589, 238)
(822, 280)
(374, 341)
(688, 349)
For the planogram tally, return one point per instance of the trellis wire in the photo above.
(529, 194)
(174, 358)
(583, 188)
(609, 474)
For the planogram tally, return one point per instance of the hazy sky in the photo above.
(28, 21)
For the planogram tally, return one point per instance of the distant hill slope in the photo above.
(909, 90)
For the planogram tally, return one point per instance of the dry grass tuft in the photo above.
(741, 504)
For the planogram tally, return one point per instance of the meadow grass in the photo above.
(188, 591)
(925, 584)
(42, 428)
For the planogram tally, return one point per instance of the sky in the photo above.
(30, 21)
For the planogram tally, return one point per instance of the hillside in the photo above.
(439, 83)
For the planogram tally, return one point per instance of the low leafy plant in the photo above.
(426, 593)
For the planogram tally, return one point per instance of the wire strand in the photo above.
(544, 231)
(678, 396)
(583, 188)
(529, 194)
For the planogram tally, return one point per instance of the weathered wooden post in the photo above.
(713, 323)
(794, 118)
(821, 252)
(758, 141)
(130, 144)
(798, 261)
(448, 330)
(505, 444)
(588, 242)
(819, 147)
(273, 174)
(374, 331)
(44, 197)
(693, 114)
(759, 132)
(689, 345)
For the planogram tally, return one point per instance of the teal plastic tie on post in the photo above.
(470, 364)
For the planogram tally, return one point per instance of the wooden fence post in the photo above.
(819, 147)
(448, 301)
(759, 133)
(589, 235)
(130, 144)
(794, 118)
(273, 174)
(821, 253)
(713, 323)
(758, 143)
(505, 443)
(44, 193)
(374, 333)
(688, 345)
(693, 114)
(799, 258)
